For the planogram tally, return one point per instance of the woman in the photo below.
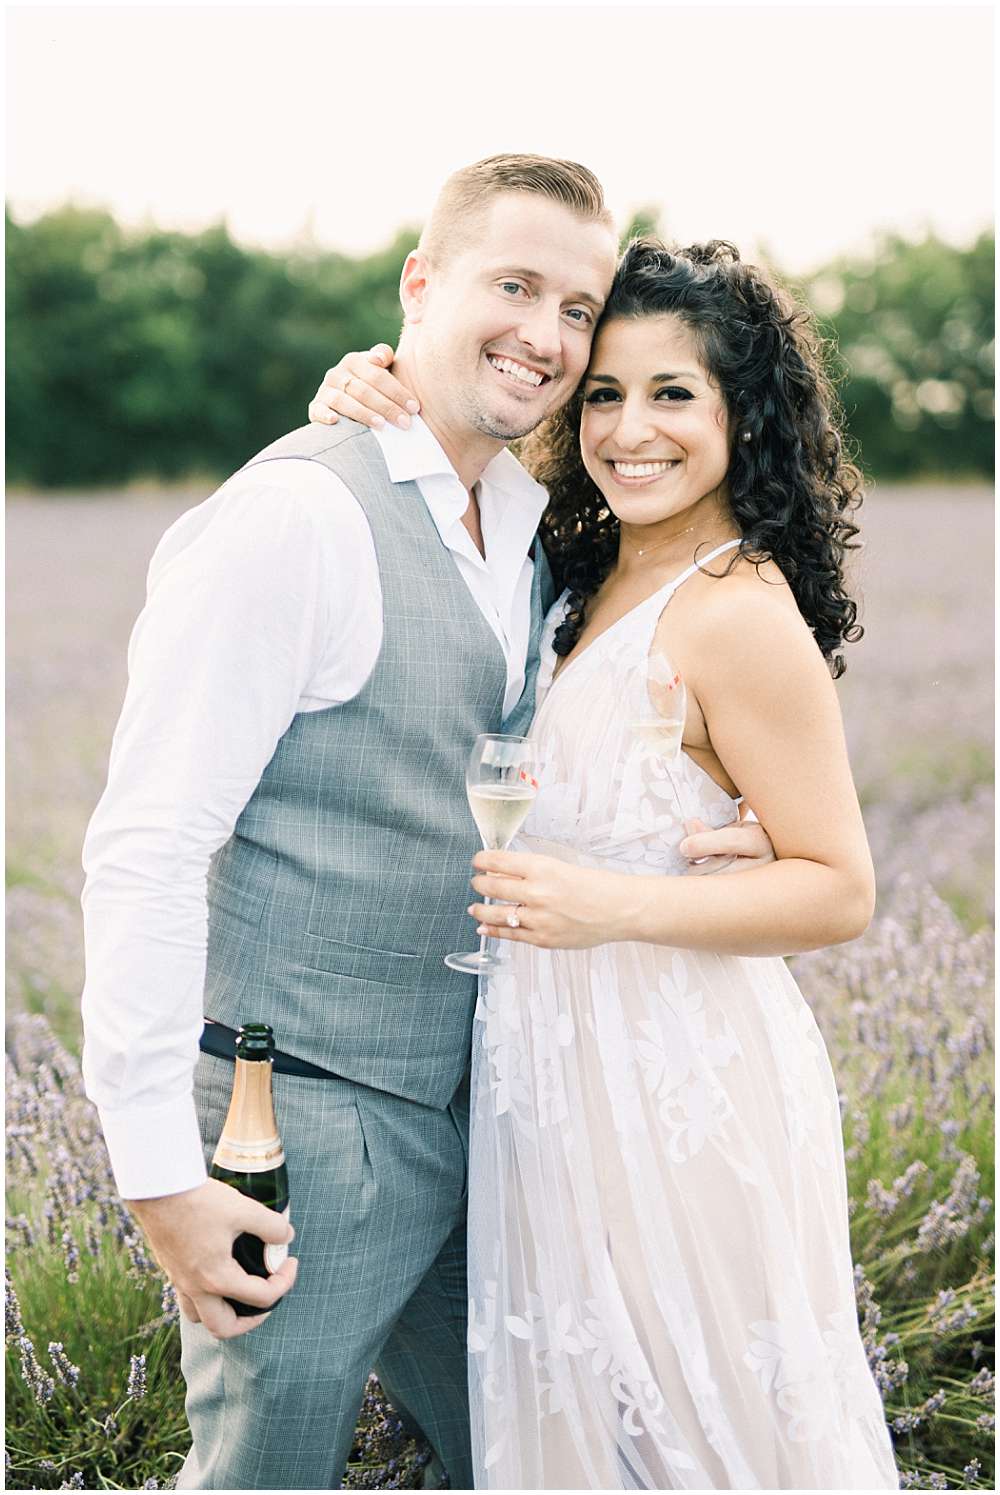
(661, 1291)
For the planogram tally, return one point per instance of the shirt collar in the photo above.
(417, 453)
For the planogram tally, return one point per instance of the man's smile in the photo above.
(517, 373)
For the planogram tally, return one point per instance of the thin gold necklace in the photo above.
(647, 548)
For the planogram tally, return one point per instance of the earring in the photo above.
(746, 435)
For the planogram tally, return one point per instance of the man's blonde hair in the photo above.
(468, 192)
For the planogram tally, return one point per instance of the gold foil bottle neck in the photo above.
(250, 1142)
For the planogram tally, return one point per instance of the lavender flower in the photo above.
(906, 1182)
(880, 1199)
(141, 1263)
(124, 1228)
(67, 1372)
(169, 1303)
(71, 1256)
(13, 1326)
(137, 1377)
(41, 1386)
(53, 1221)
(951, 1219)
(382, 1456)
(21, 1225)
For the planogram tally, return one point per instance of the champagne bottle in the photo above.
(250, 1155)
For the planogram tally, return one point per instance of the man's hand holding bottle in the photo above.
(192, 1236)
(219, 1242)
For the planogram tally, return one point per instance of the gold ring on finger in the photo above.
(347, 384)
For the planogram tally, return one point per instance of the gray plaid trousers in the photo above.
(378, 1200)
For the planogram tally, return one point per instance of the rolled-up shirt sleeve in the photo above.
(244, 595)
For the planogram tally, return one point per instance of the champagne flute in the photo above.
(660, 728)
(501, 780)
(661, 732)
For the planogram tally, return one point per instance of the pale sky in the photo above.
(801, 129)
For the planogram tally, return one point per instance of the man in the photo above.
(285, 838)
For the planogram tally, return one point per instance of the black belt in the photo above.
(220, 1041)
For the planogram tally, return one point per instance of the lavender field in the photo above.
(905, 1010)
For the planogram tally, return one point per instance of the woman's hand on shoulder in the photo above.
(361, 388)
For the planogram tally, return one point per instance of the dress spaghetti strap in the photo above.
(697, 565)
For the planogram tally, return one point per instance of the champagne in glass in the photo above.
(660, 729)
(661, 733)
(499, 811)
(659, 737)
(501, 780)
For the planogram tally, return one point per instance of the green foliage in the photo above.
(644, 221)
(166, 354)
(914, 327)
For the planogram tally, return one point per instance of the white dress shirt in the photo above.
(262, 602)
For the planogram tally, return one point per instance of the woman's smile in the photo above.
(641, 474)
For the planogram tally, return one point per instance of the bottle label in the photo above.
(275, 1255)
(249, 1157)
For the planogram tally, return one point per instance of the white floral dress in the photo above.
(660, 1276)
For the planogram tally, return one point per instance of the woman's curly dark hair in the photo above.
(790, 486)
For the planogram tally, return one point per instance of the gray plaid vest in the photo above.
(346, 879)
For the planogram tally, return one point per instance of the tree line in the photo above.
(171, 355)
